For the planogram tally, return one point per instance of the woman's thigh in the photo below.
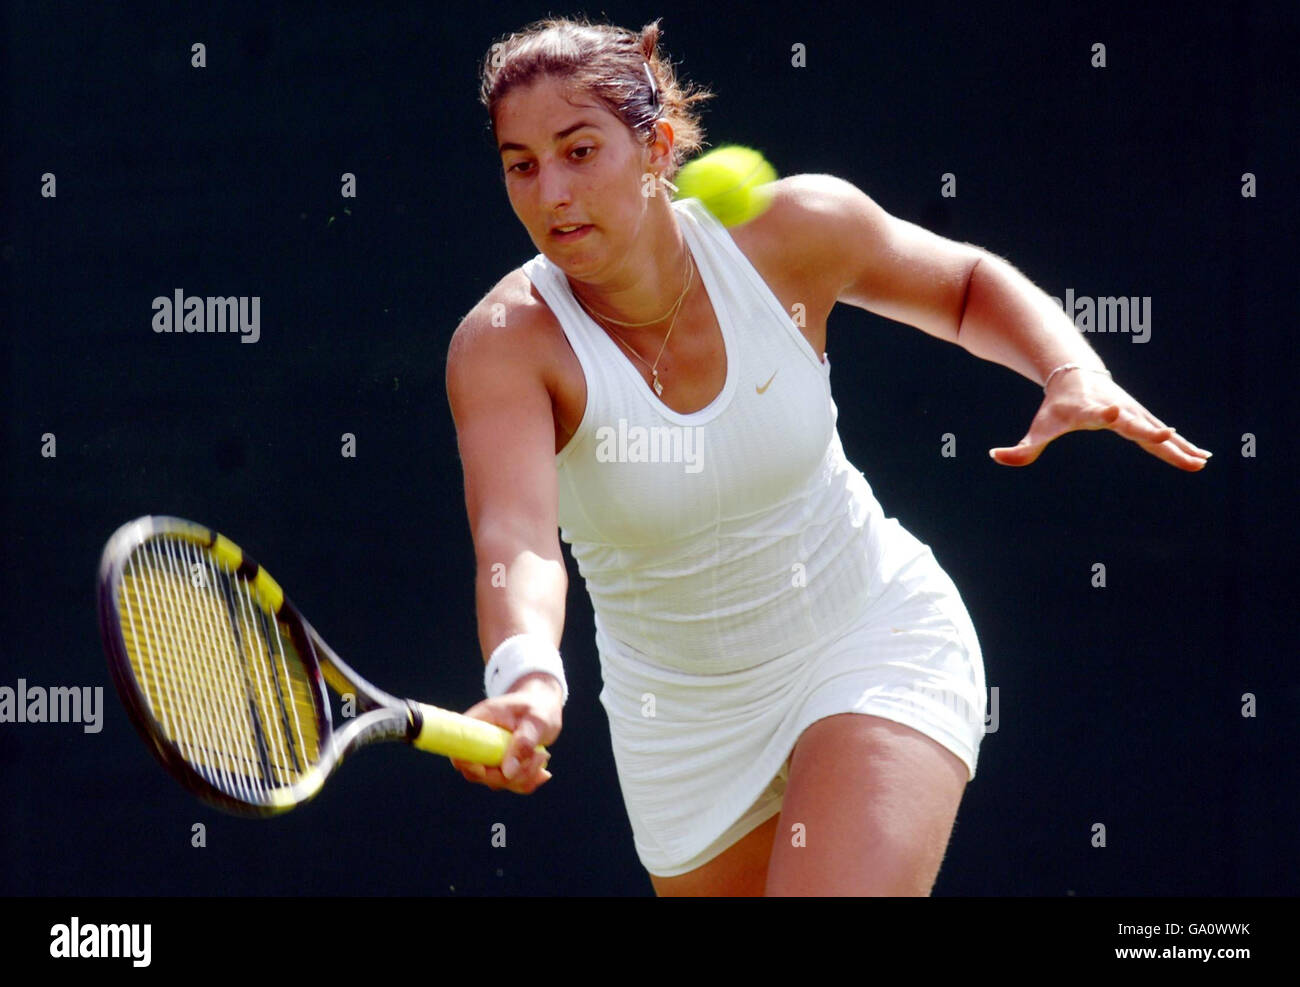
(868, 810)
(740, 871)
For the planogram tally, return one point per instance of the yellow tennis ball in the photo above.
(732, 182)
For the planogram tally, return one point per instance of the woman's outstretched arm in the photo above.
(966, 295)
(505, 432)
(1008, 320)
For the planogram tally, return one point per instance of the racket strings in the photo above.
(275, 681)
(221, 675)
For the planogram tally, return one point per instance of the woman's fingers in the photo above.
(1134, 426)
(1162, 441)
(1190, 448)
(1147, 428)
(1179, 441)
(1176, 454)
(523, 783)
(530, 718)
(1131, 421)
(522, 754)
(1030, 447)
(523, 769)
(1018, 455)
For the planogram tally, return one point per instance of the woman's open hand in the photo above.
(1082, 399)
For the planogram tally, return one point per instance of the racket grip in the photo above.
(461, 737)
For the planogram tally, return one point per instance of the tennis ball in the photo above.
(732, 182)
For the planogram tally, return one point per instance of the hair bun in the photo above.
(650, 40)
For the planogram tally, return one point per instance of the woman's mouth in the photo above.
(570, 231)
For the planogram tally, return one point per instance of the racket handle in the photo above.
(462, 737)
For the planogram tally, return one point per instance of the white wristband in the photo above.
(520, 655)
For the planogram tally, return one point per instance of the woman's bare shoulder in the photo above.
(511, 307)
(509, 346)
(510, 323)
(788, 242)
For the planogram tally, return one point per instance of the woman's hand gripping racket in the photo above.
(225, 679)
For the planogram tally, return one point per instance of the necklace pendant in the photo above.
(659, 388)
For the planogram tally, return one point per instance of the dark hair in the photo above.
(609, 63)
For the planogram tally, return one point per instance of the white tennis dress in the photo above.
(745, 581)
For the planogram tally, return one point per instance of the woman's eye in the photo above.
(519, 167)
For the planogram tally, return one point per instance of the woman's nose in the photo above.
(553, 186)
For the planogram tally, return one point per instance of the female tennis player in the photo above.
(794, 689)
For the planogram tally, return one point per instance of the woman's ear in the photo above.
(661, 149)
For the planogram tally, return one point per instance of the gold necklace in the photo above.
(654, 368)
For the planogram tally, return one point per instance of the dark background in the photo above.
(1118, 706)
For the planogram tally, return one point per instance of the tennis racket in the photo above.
(225, 679)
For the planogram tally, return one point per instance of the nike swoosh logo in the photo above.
(769, 381)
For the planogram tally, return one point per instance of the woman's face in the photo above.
(568, 160)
